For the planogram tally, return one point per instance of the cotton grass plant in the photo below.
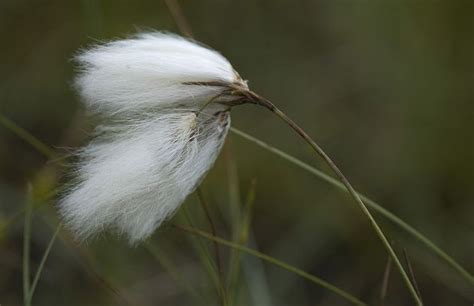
(194, 132)
(168, 100)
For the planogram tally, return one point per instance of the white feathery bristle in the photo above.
(148, 71)
(155, 146)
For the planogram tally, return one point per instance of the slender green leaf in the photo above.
(242, 238)
(274, 261)
(42, 263)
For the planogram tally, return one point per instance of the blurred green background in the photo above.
(386, 87)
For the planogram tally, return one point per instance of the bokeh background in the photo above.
(386, 87)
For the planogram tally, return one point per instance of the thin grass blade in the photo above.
(42, 263)
(26, 246)
(274, 261)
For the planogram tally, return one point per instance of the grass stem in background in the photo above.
(241, 238)
(206, 260)
(386, 278)
(412, 274)
(26, 246)
(220, 273)
(27, 137)
(42, 263)
(274, 262)
(369, 202)
(178, 16)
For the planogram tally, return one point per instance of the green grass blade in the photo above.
(42, 263)
(217, 256)
(209, 265)
(242, 238)
(234, 219)
(273, 261)
(26, 247)
(17, 215)
(371, 203)
(27, 137)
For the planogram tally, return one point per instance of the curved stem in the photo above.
(369, 202)
(270, 106)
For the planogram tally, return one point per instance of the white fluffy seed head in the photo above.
(149, 71)
(156, 144)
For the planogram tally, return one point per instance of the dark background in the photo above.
(386, 87)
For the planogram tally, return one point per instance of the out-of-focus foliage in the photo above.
(385, 86)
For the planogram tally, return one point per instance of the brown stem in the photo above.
(254, 98)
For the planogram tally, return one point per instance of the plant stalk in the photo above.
(270, 106)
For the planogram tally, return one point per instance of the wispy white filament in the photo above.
(155, 144)
(149, 71)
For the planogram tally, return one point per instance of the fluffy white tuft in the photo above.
(148, 71)
(155, 145)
